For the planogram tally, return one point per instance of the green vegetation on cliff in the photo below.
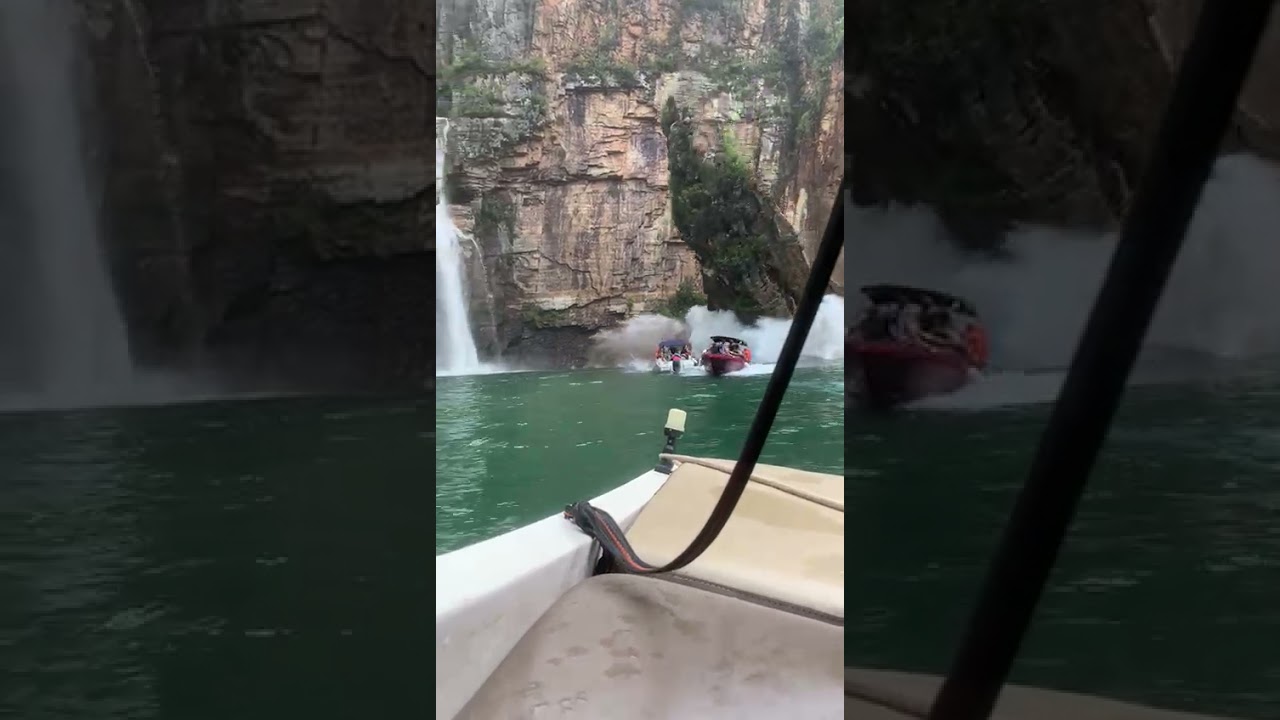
(468, 63)
(681, 301)
(795, 65)
(539, 318)
(476, 101)
(466, 85)
(599, 61)
(728, 224)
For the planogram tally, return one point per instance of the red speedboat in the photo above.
(912, 344)
(726, 355)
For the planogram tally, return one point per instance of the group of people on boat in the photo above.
(669, 350)
(926, 320)
(723, 355)
(911, 343)
(729, 346)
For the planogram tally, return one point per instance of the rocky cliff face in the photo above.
(1172, 24)
(1013, 111)
(266, 165)
(267, 170)
(562, 169)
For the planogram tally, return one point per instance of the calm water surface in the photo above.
(515, 448)
(1169, 588)
(226, 561)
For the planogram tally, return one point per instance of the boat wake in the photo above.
(631, 345)
(998, 390)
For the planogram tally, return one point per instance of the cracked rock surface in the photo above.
(561, 172)
(268, 178)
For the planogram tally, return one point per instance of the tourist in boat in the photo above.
(907, 323)
(879, 322)
(937, 328)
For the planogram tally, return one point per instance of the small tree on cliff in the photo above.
(728, 224)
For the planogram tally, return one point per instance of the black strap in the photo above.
(614, 547)
(597, 523)
(1202, 106)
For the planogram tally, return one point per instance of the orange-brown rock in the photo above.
(558, 166)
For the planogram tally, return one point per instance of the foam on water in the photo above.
(631, 345)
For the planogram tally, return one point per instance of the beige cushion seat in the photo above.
(784, 543)
(626, 647)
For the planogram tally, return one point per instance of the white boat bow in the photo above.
(489, 594)
(751, 629)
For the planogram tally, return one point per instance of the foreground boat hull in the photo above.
(489, 594)
(750, 630)
(718, 364)
(883, 375)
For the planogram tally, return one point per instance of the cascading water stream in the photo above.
(455, 346)
(75, 346)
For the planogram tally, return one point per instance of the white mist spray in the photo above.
(632, 344)
(1219, 303)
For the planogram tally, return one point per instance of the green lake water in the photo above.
(515, 448)
(1168, 591)
(223, 561)
(268, 558)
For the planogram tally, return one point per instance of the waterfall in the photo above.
(455, 347)
(75, 344)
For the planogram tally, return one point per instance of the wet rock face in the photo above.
(1009, 111)
(1172, 23)
(269, 176)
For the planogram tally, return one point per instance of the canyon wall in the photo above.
(1002, 110)
(588, 206)
(267, 176)
(265, 169)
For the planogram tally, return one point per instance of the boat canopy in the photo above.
(882, 294)
(673, 343)
(726, 338)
